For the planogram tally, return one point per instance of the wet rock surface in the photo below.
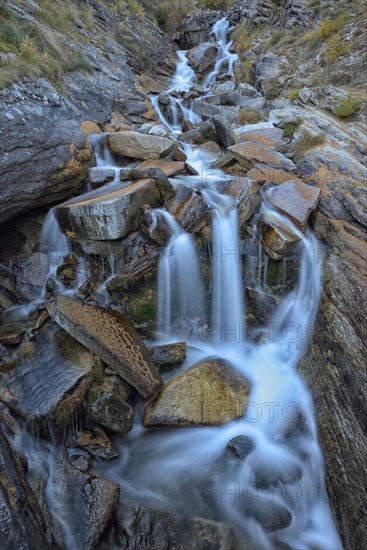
(209, 393)
(112, 337)
(139, 146)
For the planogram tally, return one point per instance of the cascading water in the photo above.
(180, 289)
(103, 157)
(220, 32)
(282, 477)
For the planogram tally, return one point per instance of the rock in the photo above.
(270, 137)
(203, 133)
(98, 176)
(271, 515)
(341, 178)
(155, 225)
(263, 173)
(208, 110)
(211, 147)
(108, 216)
(240, 446)
(163, 530)
(253, 127)
(97, 444)
(224, 131)
(21, 521)
(268, 71)
(277, 239)
(112, 337)
(107, 405)
(49, 385)
(165, 188)
(261, 304)
(202, 58)
(334, 366)
(139, 146)
(190, 210)
(246, 193)
(251, 152)
(282, 117)
(306, 95)
(158, 130)
(295, 199)
(80, 462)
(170, 168)
(142, 309)
(83, 502)
(168, 354)
(248, 90)
(135, 272)
(209, 393)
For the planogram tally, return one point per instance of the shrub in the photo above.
(293, 95)
(290, 128)
(315, 6)
(335, 48)
(275, 38)
(216, 4)
(247, 116)
(347, 107)
(305, 142)
(328, 27)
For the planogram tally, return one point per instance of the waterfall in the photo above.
(185, 76)
(104, 159)
(180, 289)
(220, 32)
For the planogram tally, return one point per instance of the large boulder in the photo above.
(202, 58)
(50, 383)
(263, 173)
(209, 393)
(295, 199)
(224, 131)
(271, 137)
(203, 133)
(139, 146)
(252, 152)
(246, 193)
(108, 216)
(207, 110)
(112, 337)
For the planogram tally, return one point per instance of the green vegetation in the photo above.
(315, 6)
(275, 38)
(170, 15)
(290, 128)
(38, 49)
(336, 48)
(348, 107)
(293, 95)
(216, 4)
(305, 142)
(243, 37)
(328, 27)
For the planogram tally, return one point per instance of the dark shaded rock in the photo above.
(165, 530)
(80, 462)
(277, 239)
(107, 405)
(240, 446)
(202, 57)
(21, 522)
(98, 176)
(246, 193)
(111, 336)
(168, 354)
(203, 133)
(50, 383)
(224, 131)
(97, 444)
(154, 225)
(155, 173)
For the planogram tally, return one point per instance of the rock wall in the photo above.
(45, 150)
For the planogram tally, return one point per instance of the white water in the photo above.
(180, 288)
(184, 470)
(104, 159)
(225, 59)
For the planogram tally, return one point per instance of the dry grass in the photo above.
(247, 116)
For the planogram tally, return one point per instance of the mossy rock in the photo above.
(142, 309)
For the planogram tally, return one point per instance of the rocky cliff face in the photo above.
(44, 126)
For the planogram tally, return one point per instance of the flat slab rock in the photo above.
(252, 152)
(112, 337)
(51, 381)
(263, 173)
(295, 199)
(108, 216)
(271, 137)
(209, 393)
(170, 168)
(139, 146)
